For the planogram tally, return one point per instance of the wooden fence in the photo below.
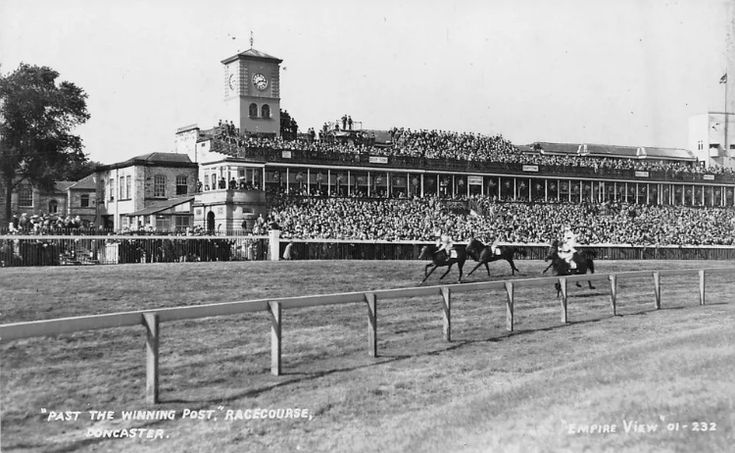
(151, 319)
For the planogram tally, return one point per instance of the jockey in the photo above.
(445, 242)
(567, 248)
(495, 246)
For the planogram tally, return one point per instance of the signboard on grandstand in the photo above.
(708, 177)
(286, 154)
(533, 168)
(378, 160)
(474, 180)
(641, 174)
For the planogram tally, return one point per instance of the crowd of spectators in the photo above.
(438, 144)
(418, 219)
(45, 224)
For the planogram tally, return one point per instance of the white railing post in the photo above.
(701, 287)
(657, 289)
(447, 309)
(509, 306)
(372, 307)
(274, 245)
(274, 308)
(150, 320)
(614, 293)
(563, 285)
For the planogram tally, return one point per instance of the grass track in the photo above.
(485, 391)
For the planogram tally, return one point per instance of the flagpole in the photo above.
(727, 151)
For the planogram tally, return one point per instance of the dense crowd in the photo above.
(45, 224)
(436, 144)
(512, 222)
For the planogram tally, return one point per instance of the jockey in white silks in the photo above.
(495, 246)
(445, 242)
(567, 248)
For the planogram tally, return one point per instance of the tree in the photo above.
(37, 118)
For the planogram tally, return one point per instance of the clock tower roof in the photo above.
(253, 54)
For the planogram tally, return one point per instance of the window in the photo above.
(128, 193)
(214, 181)
(112, 188)
(25, 195)
(53, 207)
(121, 188)
(162, 223)
(265, 111)
(182, 222)
(84, 201)
(159, 186)
(253, 110)
(182, 188)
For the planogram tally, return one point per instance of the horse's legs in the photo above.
(513, 267)
(557, 285)
(589, 282)
(459, 266)
(473, 270)
(487, 268)
(426, 269)
(449, 268)
(427, 275)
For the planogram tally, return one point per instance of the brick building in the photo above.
(126, 189)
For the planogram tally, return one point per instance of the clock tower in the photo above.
(252, 93)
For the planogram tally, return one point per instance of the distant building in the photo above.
(707, 138)
(128, 189)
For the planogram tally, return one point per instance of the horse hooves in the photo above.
(592, 287)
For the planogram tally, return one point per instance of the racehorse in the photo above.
(483, 255)
(429, 252)
(561, 267)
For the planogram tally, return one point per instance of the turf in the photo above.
(487, 390)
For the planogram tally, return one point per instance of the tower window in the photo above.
(265, 111)
(253, 110)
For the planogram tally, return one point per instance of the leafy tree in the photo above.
(37, 117)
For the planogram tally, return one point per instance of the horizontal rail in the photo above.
(14, 331)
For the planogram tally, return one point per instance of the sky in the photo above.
(617, 72)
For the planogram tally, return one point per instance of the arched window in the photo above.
(53, 207)
(265, 111)
(253, 110)
(159, 186)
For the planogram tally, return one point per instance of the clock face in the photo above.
(231, 82)
(260, 81)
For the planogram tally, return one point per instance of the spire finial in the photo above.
(251, 39)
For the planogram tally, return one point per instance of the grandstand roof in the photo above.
(154, 159)
(251, 53)
(159, 206)
(614, 151)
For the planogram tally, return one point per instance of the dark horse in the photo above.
(440, 259)
(561, 267)
(483, 255)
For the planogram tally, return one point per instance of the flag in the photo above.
(723, 79)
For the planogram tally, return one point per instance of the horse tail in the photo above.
(521, 251)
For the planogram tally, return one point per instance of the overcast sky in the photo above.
(619, 72)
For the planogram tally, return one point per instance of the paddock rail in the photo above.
(151, 319)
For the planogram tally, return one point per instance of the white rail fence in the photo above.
(151, 319)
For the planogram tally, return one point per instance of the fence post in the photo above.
(563, 285)
(274, 245)
(509, 306)
(372, 307)
(150, 320)
(447, 306)
(657, 289)
(701, 287)
(614, 293)
(274, 308)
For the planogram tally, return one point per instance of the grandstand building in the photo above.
(240, 162)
